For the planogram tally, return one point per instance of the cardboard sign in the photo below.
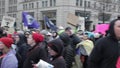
(72, 19)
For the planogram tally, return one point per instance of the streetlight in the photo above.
(85, 13)
(85, 9)
(103, 13)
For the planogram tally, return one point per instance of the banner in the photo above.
(8, 21)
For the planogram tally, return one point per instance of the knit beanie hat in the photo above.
(37, 37)
(57, 46)
(7, 41)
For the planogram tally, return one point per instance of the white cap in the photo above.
(49, 34)
(60, 27)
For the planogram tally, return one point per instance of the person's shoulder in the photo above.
(60, 60)
(103, 39)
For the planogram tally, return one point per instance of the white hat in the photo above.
(60, 27)
(50, 34)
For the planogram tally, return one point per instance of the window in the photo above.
(86, 14)
(3, 10)
(0, 11)
(109, 8)
(23, 6)
(37, 4)
(119, 9)
(9, 14)
(85, 3)
(89, 4)
(15, 8)
(29, 5)
(95, 5)
(42, 3)
(46, 3)
(114, 8)
(15, 1)
(50, 2)
(104, 16)
(0, 3)
(54, 2)
(77, 1)
(81, 2)
(11, 1)
(3, 3)
(9, 9)
(0, 19)
(14, 15)
(32, 5)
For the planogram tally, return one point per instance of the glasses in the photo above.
(1, 42)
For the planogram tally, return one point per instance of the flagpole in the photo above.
(22, 25)
(45, 23)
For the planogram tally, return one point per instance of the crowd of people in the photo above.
(62, 49)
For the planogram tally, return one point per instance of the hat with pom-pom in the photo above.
(7, 41)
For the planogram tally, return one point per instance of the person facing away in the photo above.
(9, 60)
(37, 51)
(105, 54)
(55, 49)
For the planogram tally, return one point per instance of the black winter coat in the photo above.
(35, 54)
(68, 53)
(105, 53)
(59, 62)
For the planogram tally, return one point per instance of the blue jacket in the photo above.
(10, 60)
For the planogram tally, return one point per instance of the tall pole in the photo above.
(103, 13)
(44, 22)
(37, 11)
(85, 13)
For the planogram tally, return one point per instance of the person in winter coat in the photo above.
(37, 51)
(55, 48)
(85, 47)
(106, 53)
(21, 49)
(9, 60)
(68, 52)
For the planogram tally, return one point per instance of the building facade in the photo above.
(94, 11)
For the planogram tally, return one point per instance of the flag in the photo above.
(29, 21)
(50, 24)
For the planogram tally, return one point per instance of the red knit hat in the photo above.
(37, 37)
(7, 41)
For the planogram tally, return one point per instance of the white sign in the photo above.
(8, 21)
(43, 64)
